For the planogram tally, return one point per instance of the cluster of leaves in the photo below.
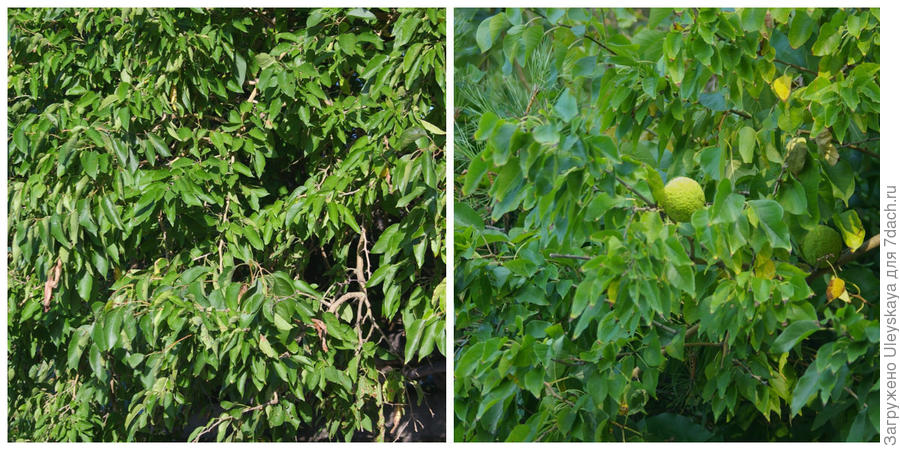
(223, 223)
(583, 312)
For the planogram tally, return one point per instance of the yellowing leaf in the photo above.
(612, 291)
(823, 138)
(764, 268)
(782, 87)
(835, 289)
(831, 154)
(851, 228)
(431, 127)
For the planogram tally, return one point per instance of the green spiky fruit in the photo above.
(821, 245)
(682, 197)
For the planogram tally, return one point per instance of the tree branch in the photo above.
(855, 146)
(602, 45)
(561, 255)
(634, 191)
(738, 112)
(804, 69)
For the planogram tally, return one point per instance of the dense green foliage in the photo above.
(244, 213)
(583, 311)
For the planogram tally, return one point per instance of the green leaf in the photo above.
(410, 136)
(414, 331)
(362, 14)
(282, 284)
(483, 36)
(534, 381)
(465, 216)
(769, 216)
(19, 139)
(96, 361)
(266, 348)
(433, 129)
(89, 162)
(384, 240)
(373, 67)
(192, 274)
(554, 331)
(793, 334)
(753, 19)
(85, 285)
(802, 27)
(747, 144)
(657, 15)
(805, 389)
(828, 41)
(159, 145)
(112, 326)
(253, 237)
(586, 293)
(76, 348)
(566, 106)
(56, 231)
(264, 60)
(281, 323)
(112, 215)
(240, 68)
(347, 43)
(385, 271)
(532, 37)
(477, 168)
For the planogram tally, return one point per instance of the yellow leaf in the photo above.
(845, 297)
(835, 289)
(611, 291)
(782, 87)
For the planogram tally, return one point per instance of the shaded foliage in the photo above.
(244, 210)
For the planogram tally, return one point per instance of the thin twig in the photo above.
(779, 179)
(804, 69)
(560, 255)
(556, 394)
(740, 113)
(856, 147)
(169, 347)
(350, 295)
(691, 331)
(274, 401)
(664, 327)
(634, 191)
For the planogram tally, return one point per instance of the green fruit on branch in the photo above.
(821, 246)
(682, 197)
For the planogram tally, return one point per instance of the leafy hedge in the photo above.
(583, 311)
(223, 223)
